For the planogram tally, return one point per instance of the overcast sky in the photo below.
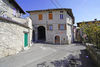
(83, 10)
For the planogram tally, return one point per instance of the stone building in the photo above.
(79, 24)
(77, 35)
(52, 25)
(15, 32)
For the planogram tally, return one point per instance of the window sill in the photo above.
(62, 29)
(50, 30)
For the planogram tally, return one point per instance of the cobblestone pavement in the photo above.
(48, 55)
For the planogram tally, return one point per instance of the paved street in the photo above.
(47, 55)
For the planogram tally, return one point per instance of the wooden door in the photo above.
(25, 39)
(57, 40)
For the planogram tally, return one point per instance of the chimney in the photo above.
(95, 19)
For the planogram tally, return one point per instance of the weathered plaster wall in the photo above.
(66, 36)
(11, 38)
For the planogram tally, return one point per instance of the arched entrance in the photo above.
(33, 36)
(41, 33)
(57, 40)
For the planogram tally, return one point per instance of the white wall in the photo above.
(9, 8)
(11, 38)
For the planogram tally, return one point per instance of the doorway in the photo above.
(57, 40)
(25, 39)
(41, 33)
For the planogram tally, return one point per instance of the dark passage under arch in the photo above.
(33, 36)
(41, 33)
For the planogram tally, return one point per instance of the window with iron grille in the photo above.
(61, 16)
(50, 27)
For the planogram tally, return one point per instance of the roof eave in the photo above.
(16, 5)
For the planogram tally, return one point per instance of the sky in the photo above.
(83, 10)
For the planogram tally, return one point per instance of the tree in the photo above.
(92, 31)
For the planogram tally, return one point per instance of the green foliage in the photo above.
(92, 30)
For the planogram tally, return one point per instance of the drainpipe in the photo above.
(46, 26)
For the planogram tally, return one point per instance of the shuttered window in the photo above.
(40, 17)
(50, 16)
(62, 26)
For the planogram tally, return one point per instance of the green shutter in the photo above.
(25, 39)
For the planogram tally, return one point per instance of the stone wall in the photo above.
(94, 54)
(66, 36)
(8, 9)
(11, 38)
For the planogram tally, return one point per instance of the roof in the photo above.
(88, 22)
(69, 11)
(49, 9)
(17, 6)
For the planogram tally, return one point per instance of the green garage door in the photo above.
(25, 39)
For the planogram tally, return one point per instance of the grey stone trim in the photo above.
(12, 21)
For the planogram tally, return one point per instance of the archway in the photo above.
(57, 40)
(41, 33)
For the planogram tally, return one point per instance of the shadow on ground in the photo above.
(83, 60)
(86, 59)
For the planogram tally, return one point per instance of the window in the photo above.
(40, 16)
(50, 11)
(50, 15)
(62, 26)
(14, 11)
(61, 16)
(50, 27)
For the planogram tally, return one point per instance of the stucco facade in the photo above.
(66, 36)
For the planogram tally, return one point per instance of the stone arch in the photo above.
(57, 39)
